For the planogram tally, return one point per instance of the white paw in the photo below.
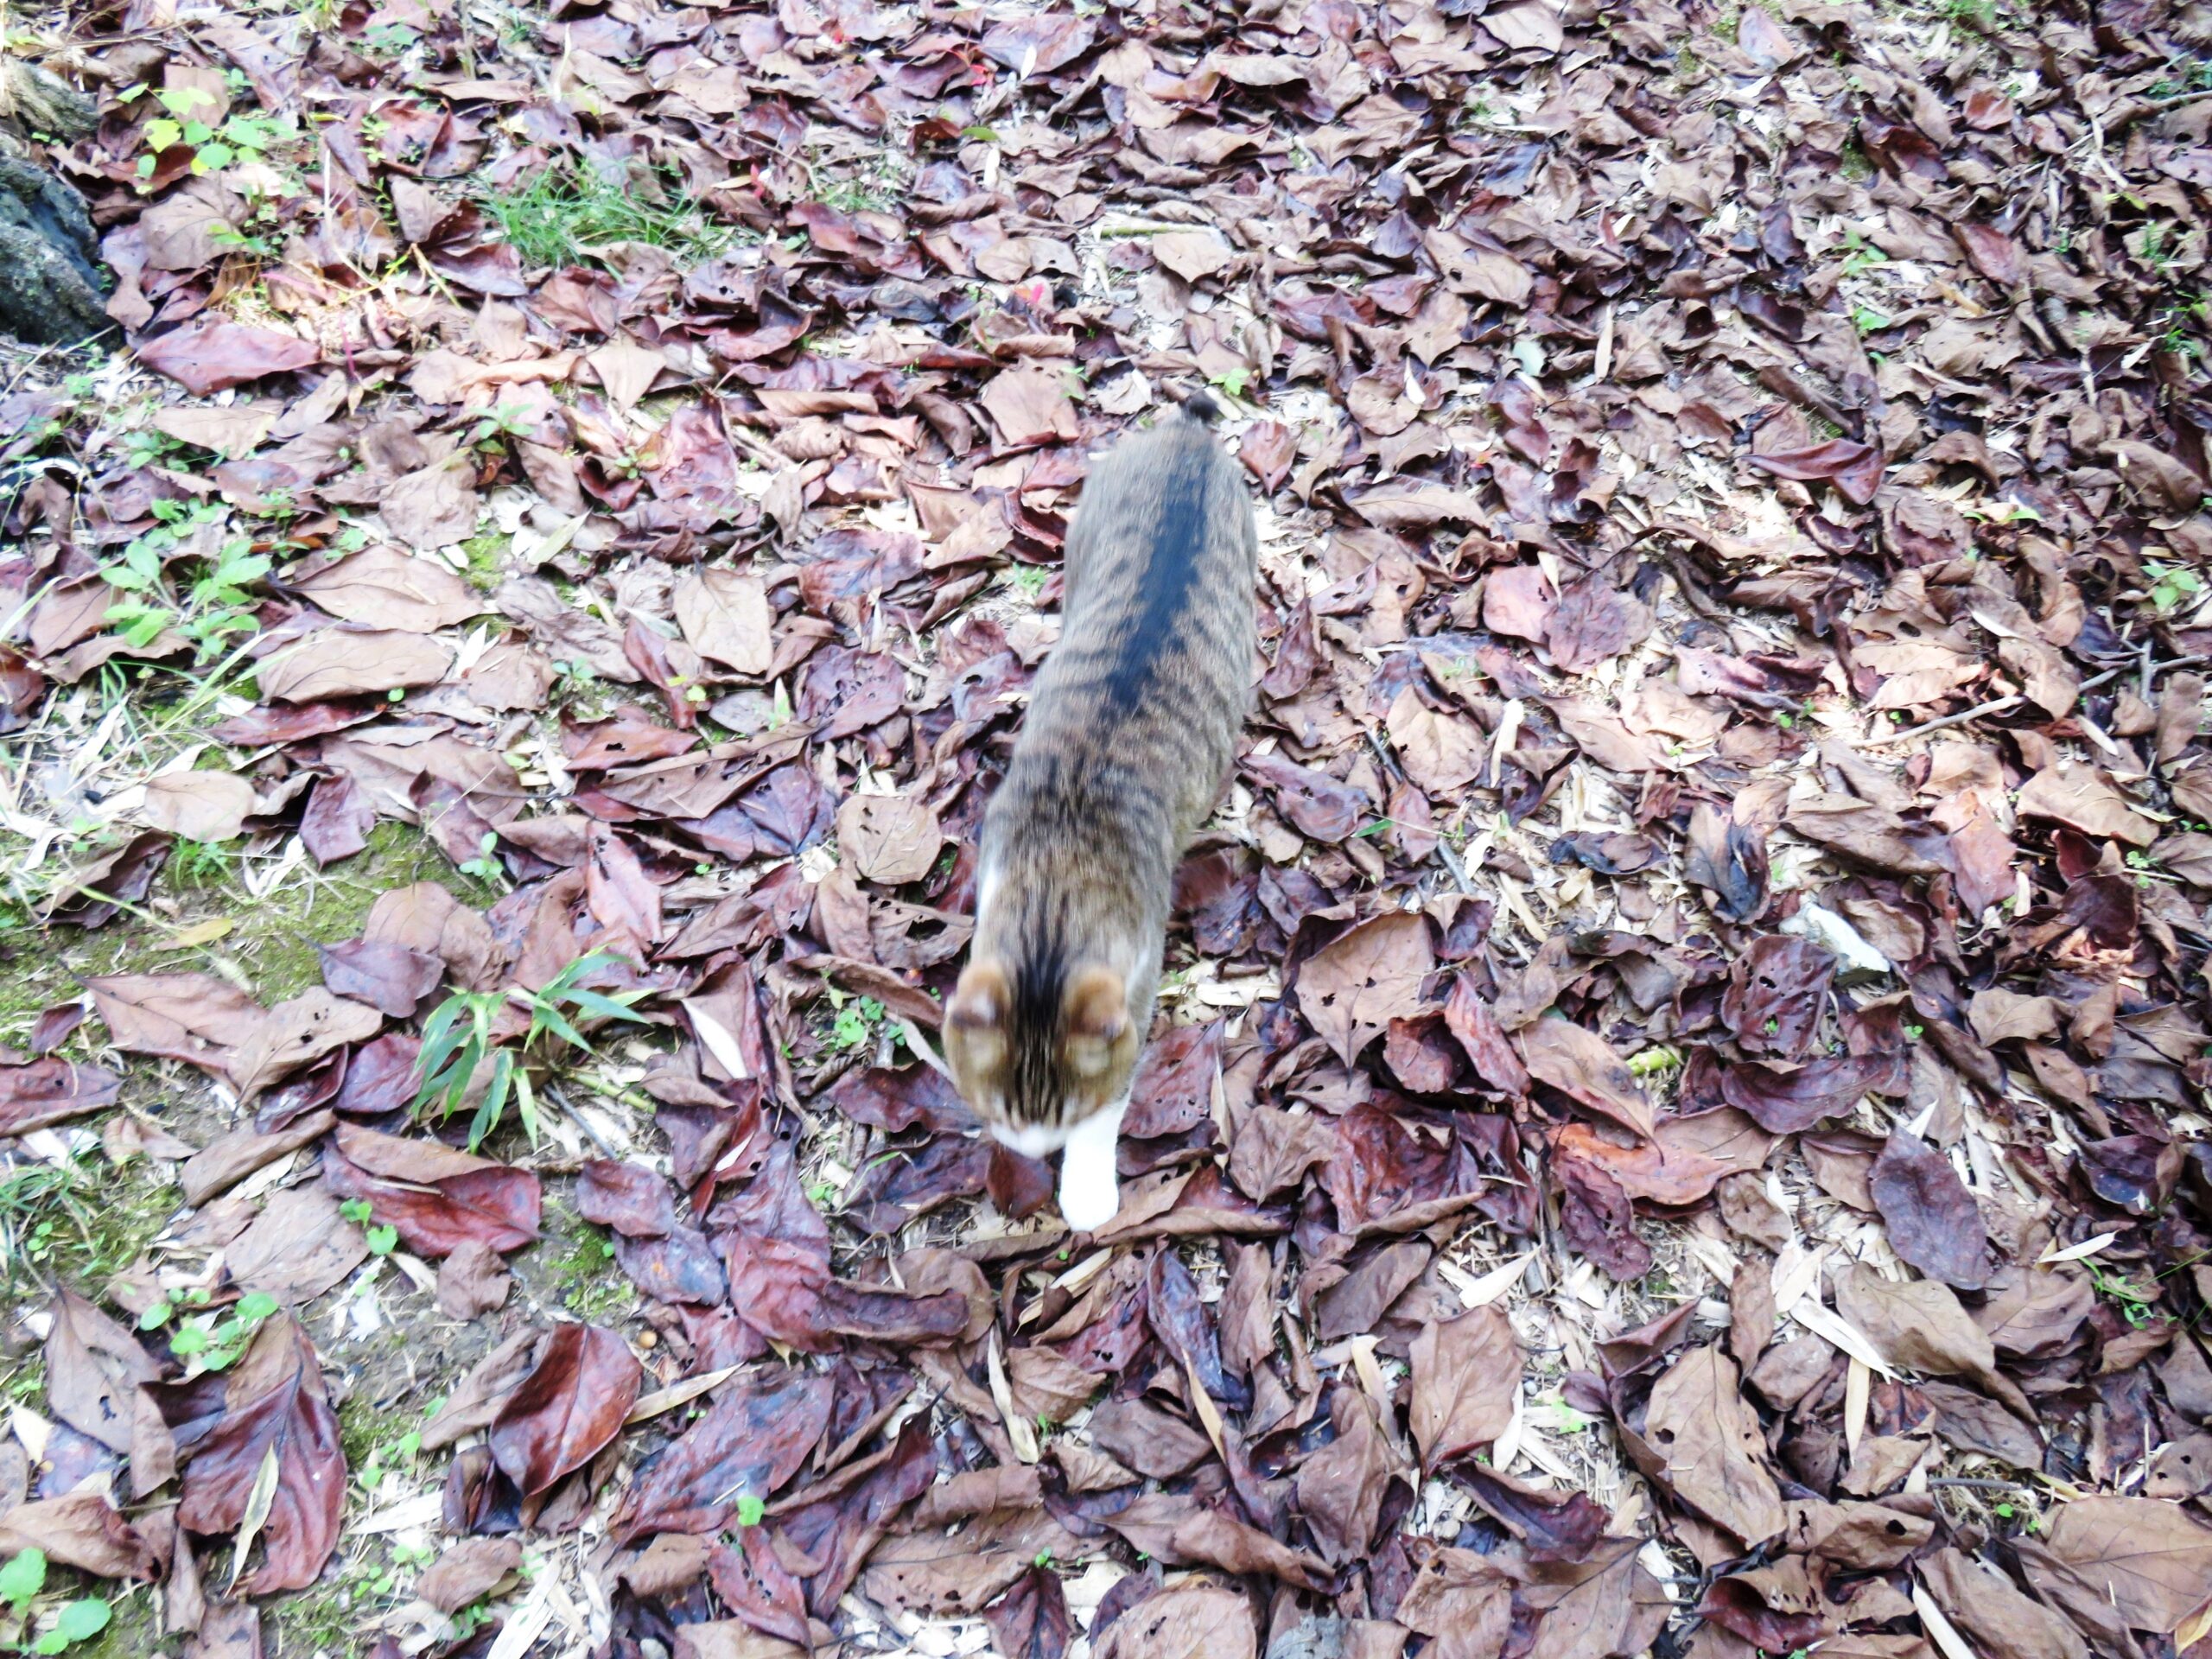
(1090, 1194)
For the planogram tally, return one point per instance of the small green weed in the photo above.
(238, 138)
(21, 1581)
(854, 1024)
(1859, 254)
(458, 1037)
(66, 1219)
(199, 864)
(205, 607)
(2132, 1305)
(2172, 585)
(206, 1343)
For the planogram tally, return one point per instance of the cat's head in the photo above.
(1039, 1051)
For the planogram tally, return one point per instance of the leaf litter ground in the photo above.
(1679, 1120)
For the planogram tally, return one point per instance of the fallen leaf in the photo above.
(346, 662)
(1934, 1224)
(2080, 796)
(211, 352)
(1191, 1620)
(382, 587)
(1582, 1066)
(1352, 989)
(286, 1417)
(298, 1247)
(1715, 1454)
(572, 1403)
(207, 806)
(891, 839)
(749, 1442)
(2153, 1558)
(725, 616)
(1466, 1377)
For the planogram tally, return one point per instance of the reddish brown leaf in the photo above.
(1934, 1224)
(750, 1440)
(50, 1090)
(211, 352)
(436, 1196)
(274, 1406)
(568, 1407)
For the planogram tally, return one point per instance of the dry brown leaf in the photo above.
(891, 839)
(348, 663)
(199, 805)
(724, 617)
(1716, 1455)
(1466, 1376)
(2075, 793)
(384, 588)
(2154, 1557)
(1352, 989)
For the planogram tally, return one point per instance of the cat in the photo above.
(1130, 734)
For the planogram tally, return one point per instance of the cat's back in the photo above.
(1161, 569)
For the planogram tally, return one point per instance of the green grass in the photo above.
(80, 1222)
(568, 211)
(1981, 15)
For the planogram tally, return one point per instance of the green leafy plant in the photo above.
(388, 40)
(855, 1022)
(200, 863)
(162, 1309)
(378, 1464)
(78, 1621)
(22, 1578)
(486, 866)
(501, 423)
(460, 1037)
(1860, 256)
(750, 1510)
(2172, 585)
(208, 1344)
(215, 146)
(2132, 1305)
(209, 604)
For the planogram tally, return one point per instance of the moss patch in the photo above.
(267, 941)
(485, 552)
(579, 1261)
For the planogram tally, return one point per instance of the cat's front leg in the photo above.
(1090, 1191)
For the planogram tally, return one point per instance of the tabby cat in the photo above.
(1130, 733)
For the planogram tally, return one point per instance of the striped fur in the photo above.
(1130, 732)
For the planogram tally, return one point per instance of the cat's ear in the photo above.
(981, 1000)
(1094, 1014)
(974, 1025)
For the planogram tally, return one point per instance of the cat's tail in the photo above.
(1199, 406)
